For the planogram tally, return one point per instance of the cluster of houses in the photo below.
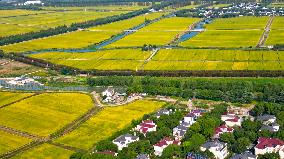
(240, 9)
(19, 81)
(111, 96)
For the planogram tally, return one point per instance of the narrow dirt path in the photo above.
(20, 133)
(71, 148)
(154, 52)
(265, 34)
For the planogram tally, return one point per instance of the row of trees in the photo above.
(231, 90)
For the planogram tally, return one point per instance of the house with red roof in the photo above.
(268, 145)
(222, 129)
(146, 126)
(231, 119)
(162, 144)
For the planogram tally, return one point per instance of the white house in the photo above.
(179, 131)
(227, 115)
(190, 118)
(222, 129)
(162, 144)
(219, 149)
(108, 92)
(33, 2)
(146, 126)
(267, 119)
(271, 127)
(123, 140)
(163, 112)
(268, 145)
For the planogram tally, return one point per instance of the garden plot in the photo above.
(46, 113)
(107, 122)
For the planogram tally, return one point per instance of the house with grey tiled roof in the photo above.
(244, 155)
(124, 140)
(219, 149)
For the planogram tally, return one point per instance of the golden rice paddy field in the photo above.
(35, 22)
(46, 113)
(159, 33)
(190, 59)
(79, 39)
(126, 59)
(108, 121)
(99, 8)
(10, 97)
(45, 151)
(276, 34)
(230, 32)
(10, 142)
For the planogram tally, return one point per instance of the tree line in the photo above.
(237, 91)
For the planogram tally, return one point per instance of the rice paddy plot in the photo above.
(159, 33)
(10, 142)
(120, 59)
(45, 151)
(45, 113)
(276, 34)
(107, 122)
(18, 12)
(10, 97)
(97, 8)
(36, 22)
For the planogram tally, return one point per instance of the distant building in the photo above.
(219, 149)
(163, 112)
(146, 126)
(33, 2)
(268, 145)
(123, 140)
(244, 155)
(162, 144)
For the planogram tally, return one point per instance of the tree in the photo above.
(194, 143)
(127, 153)
(142, 146)
(241, 145)
(171, 151)
(227, 137)
(269, 156)
(106, 145)
(249, 125)
(77, 155)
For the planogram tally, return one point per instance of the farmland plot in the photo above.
(159, 33)
(36, 22)
(45, 113)
(9, 97)
(276, 35)
(9, 142)
(209, 59)
(45, 151)
(108, 121)
(79, 39)
(120, 59)
(230, 32)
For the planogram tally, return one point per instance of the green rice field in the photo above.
(9, 97)
(276, 34)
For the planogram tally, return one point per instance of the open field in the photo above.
(9, 97)
(17, 12)
(230, 32)
(45, 113)
(277, 5)
(9, 142)
(216, 6)
(108, 121)
(79, 39)
(276, 34)
(23, 24)
(45, 151)
(159, 33)
(190, 59)
(102, 60)
(15, 68)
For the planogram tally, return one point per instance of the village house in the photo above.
(231, 119)
(146, 126)
(162, 144)
(21, 81)
(222, 129)
(219, 149)
(268, 145)
(180, 130)
(189, 118)
(143, 156)
(163, 112)
(191, 155)
(123, 140)
(111, 96)
(244, 155)
(267, 119)
(274, 127)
